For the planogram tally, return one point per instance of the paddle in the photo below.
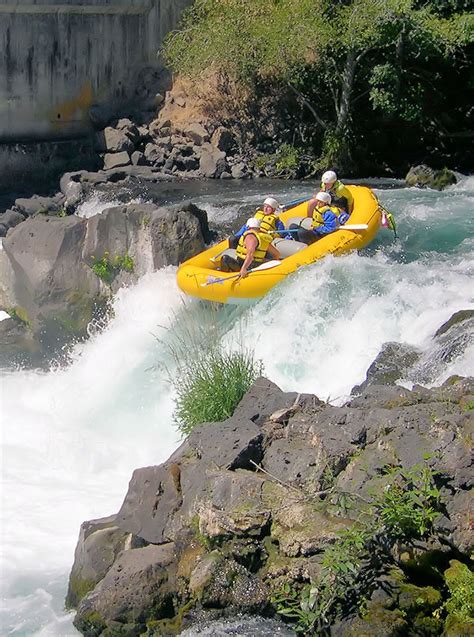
(349, 226)
(264, 266)
(292, 204)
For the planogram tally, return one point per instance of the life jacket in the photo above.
(318, 218)
(268, 222)
(338, 195)
(263, 241)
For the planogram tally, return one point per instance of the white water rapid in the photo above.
(72, 436)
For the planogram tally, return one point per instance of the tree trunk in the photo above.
(344, 110)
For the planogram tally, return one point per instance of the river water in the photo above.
(72, 436)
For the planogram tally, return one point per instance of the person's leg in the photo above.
(229, 264)
(233, 241)
(306, 236)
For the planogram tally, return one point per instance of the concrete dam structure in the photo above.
(62, 62)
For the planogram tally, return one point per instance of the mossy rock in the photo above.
(460, 604)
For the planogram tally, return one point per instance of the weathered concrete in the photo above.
(65, 60)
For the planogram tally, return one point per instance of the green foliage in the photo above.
(405, 510)
(284, 163)
(383, 55)
(208, 388)
(410, 502)
(107, 268)
(209, 378)
(460, 582)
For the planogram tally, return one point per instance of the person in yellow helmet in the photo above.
(341, 196)
(253, 247)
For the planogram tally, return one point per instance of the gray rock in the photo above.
(154, 154)
(262, 400)
(197, 133)
(71, 188)
(456, 318)
(114, 160)
(100, 542)
(10, 219)
(112, 140)
(223, 140)
(225, 175)
(392, 363)
(138, 158)
(233, 445)
(34, 205)
(139, 580)
(212, 162)
(423, 176)
(239, 171)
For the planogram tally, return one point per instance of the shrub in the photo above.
(208, 388)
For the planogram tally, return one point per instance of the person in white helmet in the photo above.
(253, 248)
(324, 219)
(269, 222)
(341, 196)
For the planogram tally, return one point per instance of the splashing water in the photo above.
(71, 437)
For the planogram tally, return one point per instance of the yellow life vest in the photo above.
(263, 241)
(318, 220)
(340, 195)
(268, 222)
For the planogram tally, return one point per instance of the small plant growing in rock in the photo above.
(107, 268)
(405, 510)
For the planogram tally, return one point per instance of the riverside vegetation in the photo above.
(359, 84)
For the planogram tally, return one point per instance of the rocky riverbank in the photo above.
(240, 518)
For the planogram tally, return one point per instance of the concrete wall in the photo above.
(59, 59)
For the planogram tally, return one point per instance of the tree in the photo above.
(322, 51)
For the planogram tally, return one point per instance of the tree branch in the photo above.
(319, 120)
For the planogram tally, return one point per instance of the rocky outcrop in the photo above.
(246, 506)
(61, 271)
(423, 176)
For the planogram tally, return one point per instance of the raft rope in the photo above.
(388, 220)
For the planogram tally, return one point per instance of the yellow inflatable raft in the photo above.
(200, 278)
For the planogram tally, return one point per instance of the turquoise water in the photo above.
(72, 436)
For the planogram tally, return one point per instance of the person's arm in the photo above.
(330, 223)
(240, 232)
(345, 192)
(311, 206)
(251, 244)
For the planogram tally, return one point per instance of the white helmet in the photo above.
(270, 201)
(329, 177)
(325, 197)
(253, 223)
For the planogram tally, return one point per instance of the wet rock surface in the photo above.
(244, 506)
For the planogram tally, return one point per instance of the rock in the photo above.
(180, 100)
(239, 171)
(131, 131)
(99, 544)
(223, 140)
(212, 162)
(159, 99)
(139, 580)
(197, 133)
(53, 283)
(225, 175)
(112, 140)
(423, 176)
(138, 158)
(114, 160)
(456, 318)
(154, 154)
(10, 219)
(18, 345)
(391, 364)
(35, 205)
(219, 582)
(71, 188)
(263, 399)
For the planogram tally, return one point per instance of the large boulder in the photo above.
(212, 163)
(60, 270)
(423, 176)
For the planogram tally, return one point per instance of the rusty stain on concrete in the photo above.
(74, 109)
